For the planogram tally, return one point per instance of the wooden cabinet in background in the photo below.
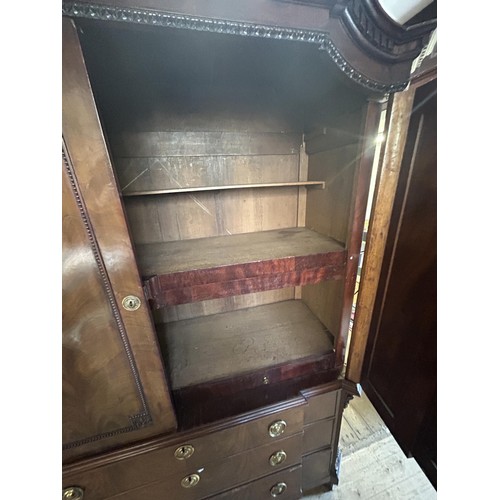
(216, 168)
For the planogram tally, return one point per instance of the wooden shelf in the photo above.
(180, 272)
(315, 184)
(226, 345)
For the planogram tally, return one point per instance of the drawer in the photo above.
(285, 485)
(321, 406)
(318, 435)
(223, 475)
(316, 469)
(156, 461)
(239, 469)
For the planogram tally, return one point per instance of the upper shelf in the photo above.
(179, 272)
(316, 184)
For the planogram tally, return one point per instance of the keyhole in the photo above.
(131, 303)
(190, 481)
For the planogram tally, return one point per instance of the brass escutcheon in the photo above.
(190, 481)
(277, 458)
(184, 452)
(131, 303)
(277, 428)
(278, 489)
(72, 493)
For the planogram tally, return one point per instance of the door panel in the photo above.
(399, 372)
(114, 387)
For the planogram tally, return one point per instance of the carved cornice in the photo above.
(143, 418)
(377, 34)
(168, 20)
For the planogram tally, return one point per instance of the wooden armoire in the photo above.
(216, 161)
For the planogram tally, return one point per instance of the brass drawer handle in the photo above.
(72, 493)
(190, 481)
(278, 489)
(184, 452)
(277, 458)
(277, 428)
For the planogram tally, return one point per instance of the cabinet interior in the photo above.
(236, 158)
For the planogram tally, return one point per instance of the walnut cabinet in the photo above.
(216, 161)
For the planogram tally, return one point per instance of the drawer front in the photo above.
(260, 489)
(318, 435)
(321, 406)
(239, 469)
(121, 473)
(207, 481)
(316, 469)
(285, 485)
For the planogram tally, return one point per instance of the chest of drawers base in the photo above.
(276, 451)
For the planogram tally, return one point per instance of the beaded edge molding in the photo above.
(220, 26)
(144, 418)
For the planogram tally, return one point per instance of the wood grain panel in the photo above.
(328, 210)
(160, 297)
(318, 435)
(215, 306)
(99, 391)
(316, 469)
(86, 151)
(325, 301)
(241, 392)
(202, 269)
(207, 214)
(321, 406)
(190, 143)
(215, 475)
(387, 178)
(300, 245)
(130, 469)
(147, 174)
(204, 349)
(400, 369)
(262, 487)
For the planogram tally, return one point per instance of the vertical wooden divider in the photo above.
(302, 199)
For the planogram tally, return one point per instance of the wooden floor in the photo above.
(373, 466)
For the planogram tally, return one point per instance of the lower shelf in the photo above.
(247, 357)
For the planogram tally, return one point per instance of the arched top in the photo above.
(384, 50)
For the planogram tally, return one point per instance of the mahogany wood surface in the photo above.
(359, 199)
(91, 338)
(318, 435)
(136, 466)
(319, 184)
(388, 174)
(399, 373)
(212, 347)
(205, 403)
(203, 269)
(361, 55)
(146, 403)
(215, 474)
(231, 288)
(216, 119)
(316, 469)
(321, 405)
(206, 143)
(262, 487)
(291, 248)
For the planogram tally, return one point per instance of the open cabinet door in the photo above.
(114, 387)
(399, 369)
